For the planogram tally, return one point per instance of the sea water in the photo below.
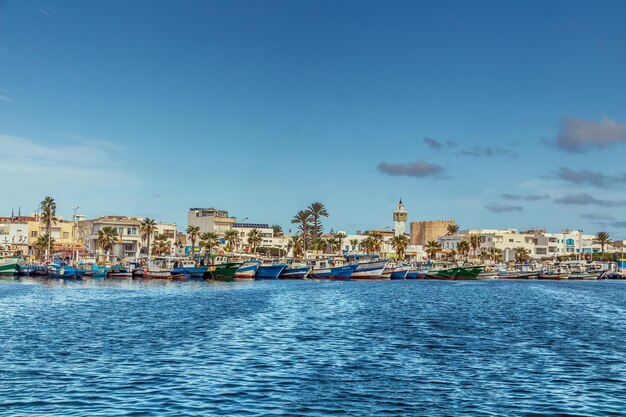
(312, 348)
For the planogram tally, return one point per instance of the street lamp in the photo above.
(74, 254)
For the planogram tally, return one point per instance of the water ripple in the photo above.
(312, 348)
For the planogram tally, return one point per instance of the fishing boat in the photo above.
(247, 270)
(9, 266)
(188, 267)
(488, 275)
(370, 269)
(554, 274)
(270, 270)
(295, 270)
(223, 271)
(400, 272)
(60, 270)
(331, 268)
(460, 273)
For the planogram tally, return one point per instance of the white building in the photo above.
(210, 220)
(13, 235)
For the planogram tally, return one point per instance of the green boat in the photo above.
(9, 266)
(470, 272)
(222, 272)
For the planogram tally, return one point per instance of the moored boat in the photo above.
(270, 271)
(295, 271)
(400, 272)
(332, 268)
(188, 267)
(460, 273)
(9, 266)
(222, 272)
(247, 270)
(370, 269)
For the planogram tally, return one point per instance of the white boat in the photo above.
(370, 269)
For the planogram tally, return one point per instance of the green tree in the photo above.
(296, 244)
(399, 244)
(48, 209)
(339, 236)
(453, 229)
(602, 238)
(377, 241)
(463, 247)
(107, 236)
(254, 239)
(233, 239)
(317, 211)
(431, 248)
(209, 240)
(354, 243)
(475, 243)
(161, 245)
(147, 227)
(277, 231)
(522, 254)
(42, 243)
(193, 232)
(303, 220)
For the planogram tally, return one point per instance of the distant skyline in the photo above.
(494, 114)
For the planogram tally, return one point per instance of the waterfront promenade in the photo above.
(313, 348)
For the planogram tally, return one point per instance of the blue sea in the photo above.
(311, 348)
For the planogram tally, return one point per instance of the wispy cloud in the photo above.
(438, 145)
(588, 177)
(417, 169)
(598, 216)
(583, 199)
(48, 11)
(619, 224)
(73, 161)
(577, 135)
(5, 98)
(525, 197)
(502, 208)
(480, 151)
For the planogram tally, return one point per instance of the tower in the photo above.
(399, 219)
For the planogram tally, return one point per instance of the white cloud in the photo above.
(75, 161)
(577, 135)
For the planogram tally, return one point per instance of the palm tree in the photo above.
(475, 243)
(277, 231)
(303, 220)
(521, 254)
(193, 232)
(453, 229)
(332, 243)
(367, 245)
(48, 209)
(209, 240)
(318, 244)
(42, 243)
(602, 239)
(317, 210)
(399, 244)
(296, 244)
(232, 237)
(377, 241)
(340, 237)
(463, 247)
(254, 239)
(495, 254)
(106, 239)
(146, 230)
(161, 245)
(432, 247)
(354, 243)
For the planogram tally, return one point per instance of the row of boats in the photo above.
(335, 268)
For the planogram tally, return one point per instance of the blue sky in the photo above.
(495, 114)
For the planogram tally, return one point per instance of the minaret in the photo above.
(399, 219)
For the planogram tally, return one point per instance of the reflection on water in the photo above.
(118, 347)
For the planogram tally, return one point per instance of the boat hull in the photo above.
(370, 270)
(294, 273)
(222, 272)
(337, 273)
(400, 272)
(269, 271)
(247, 270)
(9, 268)
(192, 272)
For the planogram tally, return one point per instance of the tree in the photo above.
(602, 239)
(377, 241)
(48, 209)
(254, 239)
(209, 240)
(233, 239)
(42, 243)
(340, 237)
(367, 245)
(432, 247)
(399, 244)
(161, 245)
(317, 211)
(296, 245)
(106, 239)
(475, 243)
(354, 243)
(521, 254)
(303, 220)
(453, 229)
(193, 232)
(146, 230)
(277, 231)
(495, 254)
(463, 247)
(318, 244)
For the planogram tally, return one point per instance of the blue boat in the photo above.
(59, 270)
(272, 271)
(295, 272)
(190, 269)
(332, 269)
(247, 270)
(400, 272)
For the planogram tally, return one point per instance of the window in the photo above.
(33, 234)
(66, 235)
